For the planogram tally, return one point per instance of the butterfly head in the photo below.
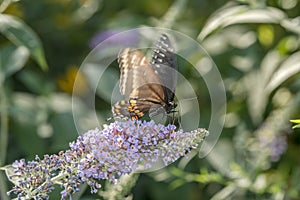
(170, 106)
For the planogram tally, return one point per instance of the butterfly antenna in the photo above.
(174, 118)
(179, 122)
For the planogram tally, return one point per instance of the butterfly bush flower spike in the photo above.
(120, 148)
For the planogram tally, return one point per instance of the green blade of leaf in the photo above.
(295, 121)
(241, 14)
(12, 59)
(22, 35)
(296, 126)
(217, 19)
(290, 67)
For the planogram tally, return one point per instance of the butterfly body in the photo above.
(146, 84)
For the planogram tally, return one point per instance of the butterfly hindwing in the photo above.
(126, 109)
(133, 108)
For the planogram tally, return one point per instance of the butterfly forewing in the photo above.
(129, 60)
(165, 65)
(136, 73)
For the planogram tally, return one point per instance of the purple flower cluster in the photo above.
(116, 150)
(277, 147)
(34, 179)
(126, 39)
(273, 142)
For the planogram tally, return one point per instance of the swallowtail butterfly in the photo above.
(147, 84)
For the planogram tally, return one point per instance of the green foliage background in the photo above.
(255, 44)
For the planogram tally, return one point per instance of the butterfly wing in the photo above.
(129, 62)
(139, 83)
(164, 64)
(138, 77)
(133, 108)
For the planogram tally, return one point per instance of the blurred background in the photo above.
(254, 43)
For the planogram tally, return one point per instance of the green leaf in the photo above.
(295, 121)
(256, 82)
(12, 59)
(225, 193)
(288, 68)
(241, 14)
(220, 160)
(22, 35)
(4, 4)
(106, 78)
(296, 126)
(35, 82)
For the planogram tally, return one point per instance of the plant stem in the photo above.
(3, 139)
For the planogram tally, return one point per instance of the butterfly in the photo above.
(147, 84)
